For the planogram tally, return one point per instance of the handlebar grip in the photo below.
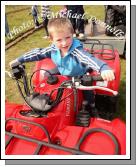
(14, 64)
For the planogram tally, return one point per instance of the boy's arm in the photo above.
(96, 64)
(90, 61)
(33, 55)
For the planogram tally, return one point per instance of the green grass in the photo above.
(21, 21)
(12, 8)
(95, 11)
(18, 22)
(122, 91)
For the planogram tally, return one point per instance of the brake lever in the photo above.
(81, 87)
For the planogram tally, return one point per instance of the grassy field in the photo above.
(122, 91)
(21, 21)
(36, 41)
(13, 8)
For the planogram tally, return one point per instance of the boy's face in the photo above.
(63, 40)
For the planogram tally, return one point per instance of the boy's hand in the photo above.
(108, 75)
(14, 63)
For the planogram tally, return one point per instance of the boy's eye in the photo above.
(59, 40)
(68, 37)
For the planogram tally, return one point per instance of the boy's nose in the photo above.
(63, 42)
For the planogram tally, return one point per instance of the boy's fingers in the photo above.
(112, 76)
(108, 75)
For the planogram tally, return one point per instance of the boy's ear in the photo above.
(51, 38)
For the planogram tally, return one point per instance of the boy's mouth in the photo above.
(65, 47)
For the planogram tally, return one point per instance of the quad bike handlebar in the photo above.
(82, 83)
(85, 83)
(43, 102)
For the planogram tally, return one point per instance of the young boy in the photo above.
(68, 54)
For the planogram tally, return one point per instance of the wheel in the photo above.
(109, 20)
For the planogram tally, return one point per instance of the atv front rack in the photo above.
(40, 143)
(101, 49)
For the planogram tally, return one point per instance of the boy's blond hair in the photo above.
(59, 25)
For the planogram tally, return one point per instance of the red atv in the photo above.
(54, 119)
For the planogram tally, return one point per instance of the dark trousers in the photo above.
(77, 23)
(76, 11)
(6, 26)
(80, 25)
(35, 20)
(45, 23)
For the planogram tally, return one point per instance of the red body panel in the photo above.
(114, 64)
(64, 132)
(68, 135)
(60, 121)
